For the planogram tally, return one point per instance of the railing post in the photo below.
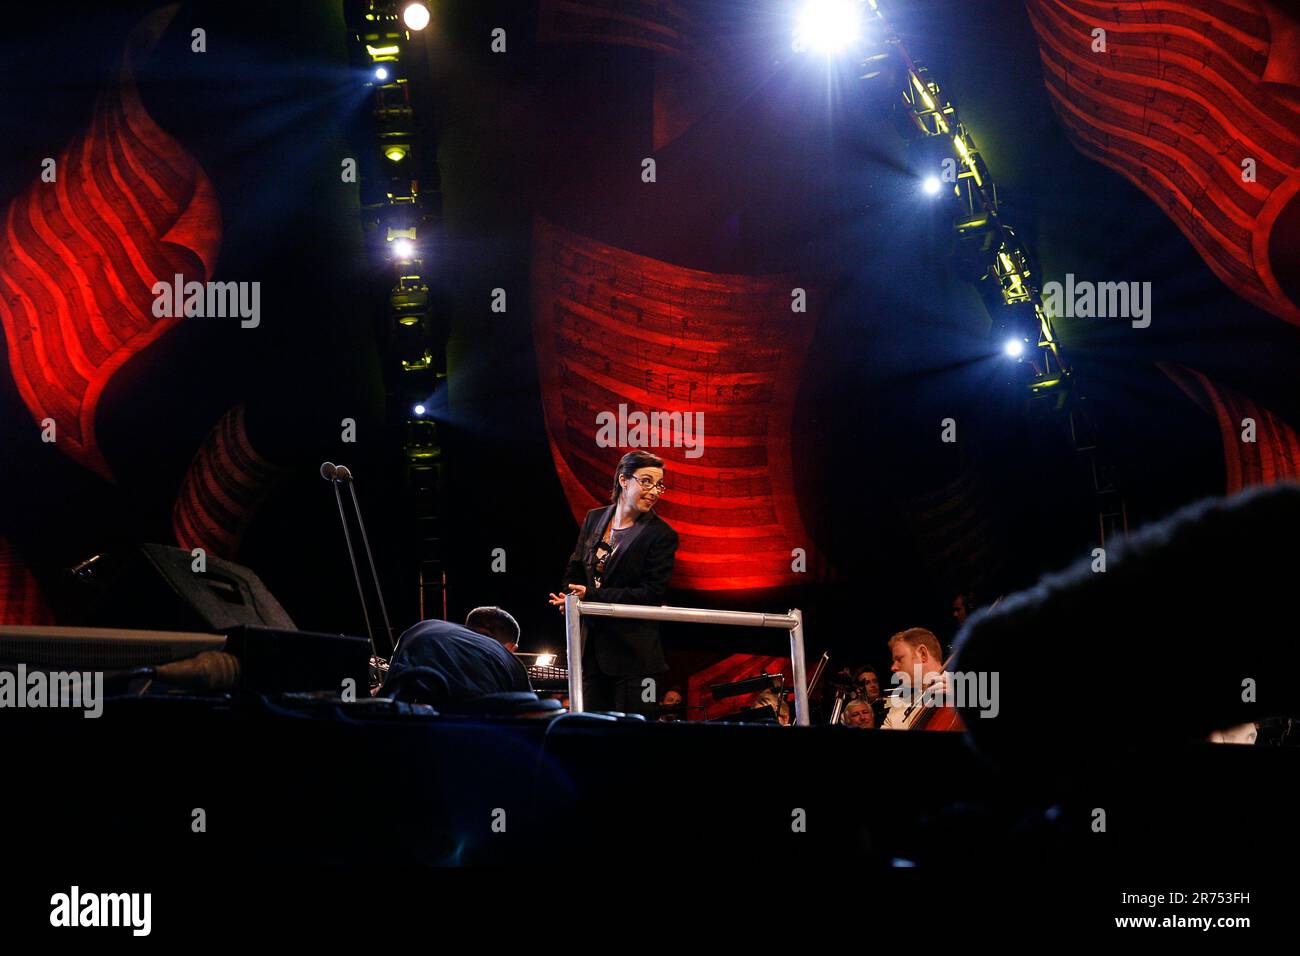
(801, 716)
(573, 642)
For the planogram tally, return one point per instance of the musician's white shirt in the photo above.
(903, 708)
(900, 713)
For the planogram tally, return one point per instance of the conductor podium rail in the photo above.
(574, 609)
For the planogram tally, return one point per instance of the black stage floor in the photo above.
(296, 792)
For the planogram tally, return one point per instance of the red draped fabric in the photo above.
(222, 488)
(1273, 456)
(686, 64)
(21, 601)
(1185, 91)
(614, 328)
(79, 257)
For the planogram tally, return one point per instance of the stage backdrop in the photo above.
(615, 330)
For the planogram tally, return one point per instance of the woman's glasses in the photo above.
(646, 482)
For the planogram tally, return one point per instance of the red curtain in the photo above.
(21, 601)
(1273, 456)
(1185, 91)
(614, 328)
(222, 488)
(79, 257)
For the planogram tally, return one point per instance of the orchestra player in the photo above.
(918, 662)
(868, 689)
(858, 713)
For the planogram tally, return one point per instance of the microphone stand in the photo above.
(336, 475)
(345, 474)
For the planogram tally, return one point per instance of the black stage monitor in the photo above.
(156, 586)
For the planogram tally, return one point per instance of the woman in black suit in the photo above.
(624, 555)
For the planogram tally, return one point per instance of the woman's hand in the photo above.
(578, 589)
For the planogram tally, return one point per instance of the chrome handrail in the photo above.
(574, 609)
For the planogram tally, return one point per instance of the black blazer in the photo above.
(636, 574)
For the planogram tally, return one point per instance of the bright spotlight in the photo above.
(828, 26)
(403, 249)
(419, 409)
(381, 73)
(1014, 348)
(415, 16)
(931, 185)
(545, 660)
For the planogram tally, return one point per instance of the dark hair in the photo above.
(495, 623)
(628, 465)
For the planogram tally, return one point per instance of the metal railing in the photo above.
(574, 610)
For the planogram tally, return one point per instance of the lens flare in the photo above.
(828, 26)
(415, 16)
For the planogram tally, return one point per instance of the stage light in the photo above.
(924, 93)
(396, 153)
(403, 249)
(382, 73)
(1014, 348)
(415, 16)
(960, 143)
(828, 26)
(931, 185)
(545, 660)
(418, 364)
(419, 409)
